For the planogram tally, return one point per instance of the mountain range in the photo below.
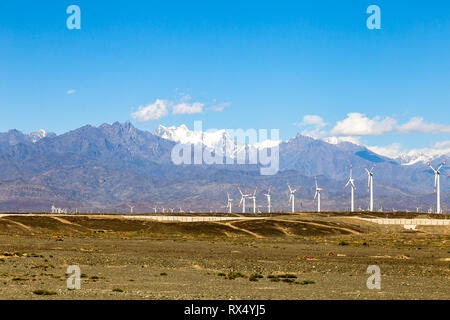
(109, 167)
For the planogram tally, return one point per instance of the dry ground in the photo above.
(327, 253)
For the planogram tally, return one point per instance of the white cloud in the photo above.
(336, 140)
(161, 108)
(393, 150)
(186, 108)
(313, 120)
(313, 125)
(220, 107)
(417, 125)
(443, 145)
(153, 111)
(186, 97)
(357, 124)
(71, 91)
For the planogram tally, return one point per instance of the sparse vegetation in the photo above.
(163, 274)
(288, 280)
(343, 243)
(20, 254)
(41, 292)
(255, 276)
(234, 275)
(286, 277)
(117, 290)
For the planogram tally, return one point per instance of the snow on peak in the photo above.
(216, 139)
(37, 135)
(413, 156)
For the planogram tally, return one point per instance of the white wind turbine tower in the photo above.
(268, 199)
(437, 185)
(253, 197)
(317, 194)
(243, 197)
(370, 186)
(131, 208)
(351, 182)
(292, 197)
(229, 203)
(154, 208)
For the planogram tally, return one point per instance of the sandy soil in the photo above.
(326, 254)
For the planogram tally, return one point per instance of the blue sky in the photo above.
(267, 64)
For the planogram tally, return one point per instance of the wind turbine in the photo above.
(268, 199)
(370, 186)
(253, 197)
(154, 208)
(317, 194)
(229, 203)
(243, 197)
(292, 197)
(437, 185)
(351, 182)
(131, 208)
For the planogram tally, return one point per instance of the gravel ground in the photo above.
(326, 258)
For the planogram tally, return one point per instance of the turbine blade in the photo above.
(348, 182)
(315, 195)
(429, 164)
(442, 164)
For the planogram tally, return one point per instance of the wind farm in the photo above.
(291, 204)
(295, 227)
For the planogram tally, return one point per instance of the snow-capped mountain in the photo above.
(38, 135)
(221, 141)
(438, 152)
(182, 134)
